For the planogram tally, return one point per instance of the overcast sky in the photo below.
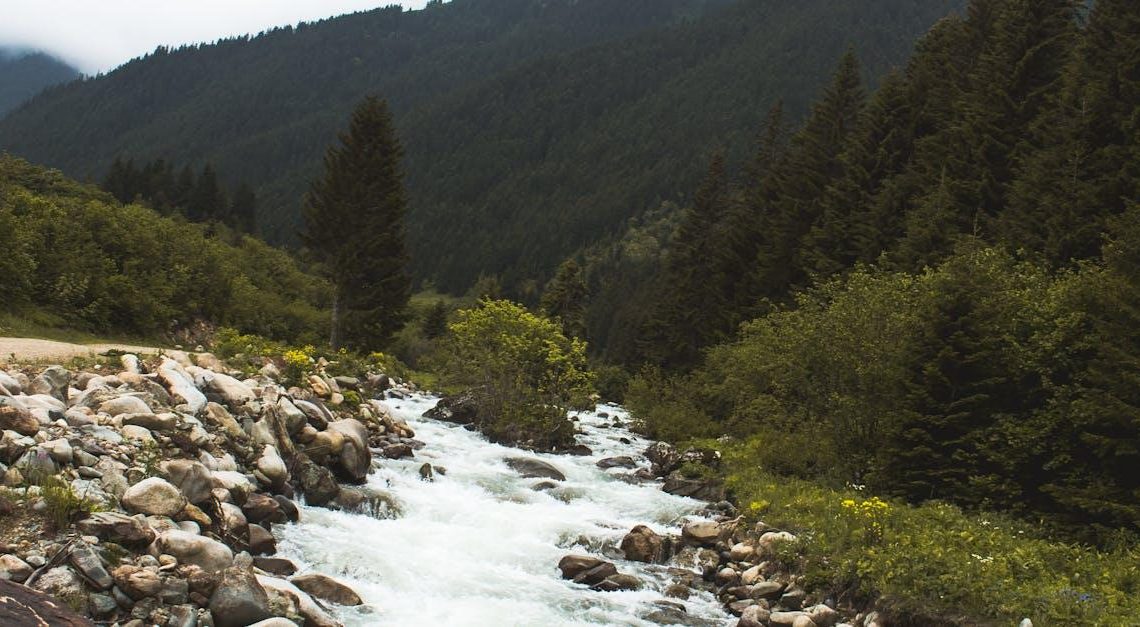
(97, 35)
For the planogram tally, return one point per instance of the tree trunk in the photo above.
(334, 335)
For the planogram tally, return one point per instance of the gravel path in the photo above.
(28, 349)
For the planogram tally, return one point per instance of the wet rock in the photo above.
(355, 457)
(701, 489)
(620, 581)
(642, 544)
(288, 507)
(261, 508)
(128, 531)
(209, 555)
(154, 496)
(192, 478)
(317, 483)
(239, 599)
(312, 614)
(585, 569)
(88, 564)
(261, 542)
(326, 589)
(460, 409)
(275, 565)
(579, 450)
(623, 461)
(426, 473)
(397, 451)
(529, 467)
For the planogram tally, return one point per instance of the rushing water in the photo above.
(479, 546)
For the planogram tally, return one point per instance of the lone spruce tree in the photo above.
(354, 225)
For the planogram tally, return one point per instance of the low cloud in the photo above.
(98, 36)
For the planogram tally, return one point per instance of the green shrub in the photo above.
(64, 506)
(525, 372)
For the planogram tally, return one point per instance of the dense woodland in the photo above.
(23, 74)
(531, 127)
(932, 288)
(196, 196)
(75, 257)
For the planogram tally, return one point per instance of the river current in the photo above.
(479, 546)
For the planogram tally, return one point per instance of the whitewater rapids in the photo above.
(479, 546)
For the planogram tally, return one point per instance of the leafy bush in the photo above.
(526, 374)
(75, 252)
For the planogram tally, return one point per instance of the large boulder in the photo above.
(710, 490)
(272, 466)
(586, 569)
(326, 589)
(154, 496)
(181, 386)
(234, 392)
(54, 382)
(191, 477)
(355, 459)
(664, 457)
(13, 418)
(642, 544)
(703, 533)
(529, 467)
(125, 404)
(21, 606)
(460, 409)
(189, 548)
(129, 531)
(317, 483)
(240, 599)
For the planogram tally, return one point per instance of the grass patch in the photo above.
(936, 564)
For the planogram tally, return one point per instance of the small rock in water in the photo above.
(426, 473)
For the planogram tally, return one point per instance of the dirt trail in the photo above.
(29, 349)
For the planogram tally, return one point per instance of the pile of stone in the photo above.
(170, 476)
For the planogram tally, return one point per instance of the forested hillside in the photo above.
(75, 258)
(531, 127)
(931, 289)
(24, 74)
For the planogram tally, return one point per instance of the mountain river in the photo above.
(478, 546)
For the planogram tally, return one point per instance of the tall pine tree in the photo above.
(354, 224)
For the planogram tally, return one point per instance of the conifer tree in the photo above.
(1083, 165)
(565, 299)
(435, 321)
(1099, 479)
(812, 164)
(243, 210)
(207, 200)
(689, 313)
(354, 224)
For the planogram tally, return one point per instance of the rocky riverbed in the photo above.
(176, 491)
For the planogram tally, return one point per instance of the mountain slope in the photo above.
(532, 127)
(24, 74)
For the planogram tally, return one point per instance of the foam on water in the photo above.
(479, 546)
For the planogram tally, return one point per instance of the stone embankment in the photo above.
(144, 492)
(745, 566)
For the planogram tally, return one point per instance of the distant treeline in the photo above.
(198, 197)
